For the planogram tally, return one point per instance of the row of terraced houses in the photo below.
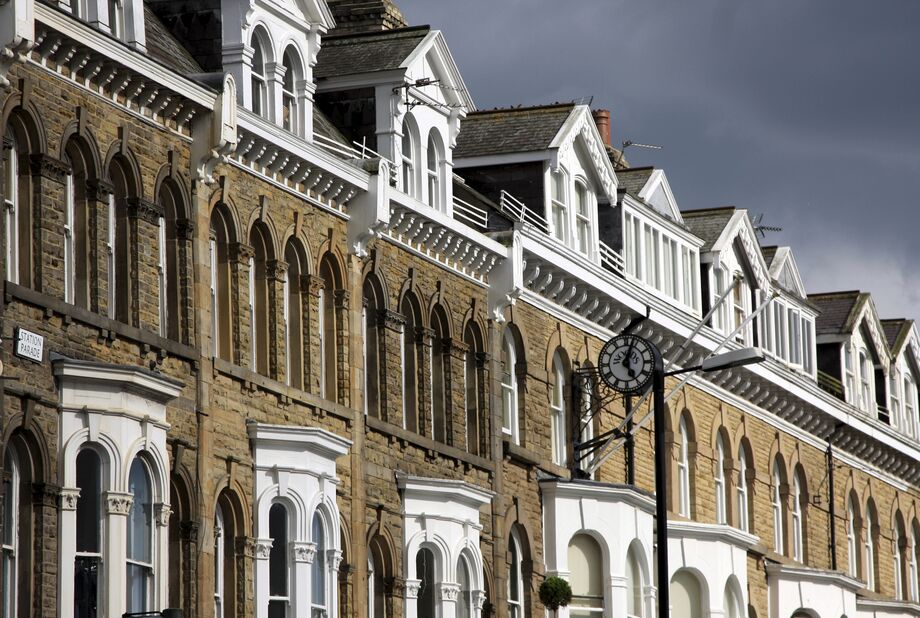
(290, 329)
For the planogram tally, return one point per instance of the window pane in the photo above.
(85, 586)
(140, 521)
(319, 562)
(89, 470)
(424, 570)
(277, 558)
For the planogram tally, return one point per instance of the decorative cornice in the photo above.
(69, 497)
(145, 210)
(303, 551)
(117, 503)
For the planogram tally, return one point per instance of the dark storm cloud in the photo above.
(808, 111)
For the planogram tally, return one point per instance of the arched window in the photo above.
(732, 603)
(558, 410)
(744, 490)
(865, 379)
(683, 469)
(278, 570)
(871, 553)
(798, 516)
(515, 578)
(721, 498)
(425, 572)
(328, 329)
(170, 281)
(582, 218)
(894, 385)
(635, 584)
(290, 114)
(474, 393)
(260, 241)
(408, 159)
(218, 562)
(777, 501)
(294, 298)
(259, 89)
(10, 540)
(88, 561)
(900, 549)
(686, 595)
(586, 411)
(509, 382)
(910, 400)
(377, 575)
(912, 575)
(11, 204)
(440, 374)
(464, 578)
(586, 568)
(371, 586)
(852, 539)
(559, 203)
(435, 199)
(220, 284)
(411, 362)
(140, 565)
(120, 281)
(69, 216)
(373, 302)
(319, 579)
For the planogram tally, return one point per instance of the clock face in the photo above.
(626, 364)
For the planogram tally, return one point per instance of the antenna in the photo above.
(760, 228)
(629, 142)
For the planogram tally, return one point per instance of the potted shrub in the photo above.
(555, 592)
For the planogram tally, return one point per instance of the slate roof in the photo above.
(708, 223)
(369, 52)
(896, 332)
(838, 310)
(768, 254)
(510, 130)
(633, 179)
(165, 48)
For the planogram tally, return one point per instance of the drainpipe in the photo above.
(630, 444)
(832, 508)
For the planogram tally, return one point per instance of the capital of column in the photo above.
(48, 167)
(185, 229)
(69, 497)
(479, 599)
(118, 503)
(334, 558)
(245, 546)
(391, 320)
(162, 511)
(448, 591)
(303, 551)
(341, 298)
(276, 270)
(262, 549)
(145, 210)
(99, 190)
(315, 284)
(241, 253)
(412, 588)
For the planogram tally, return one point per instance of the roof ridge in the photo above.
(498, 110)
(697, 211)
(375, 33)
(641, 168)
(840, 293)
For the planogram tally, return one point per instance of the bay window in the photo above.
(140, 558)
(586, 566)
(318, 579)
(278, 568)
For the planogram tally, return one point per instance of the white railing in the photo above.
(610, 259)
(516, 209)
(470, 214)
(358, 151)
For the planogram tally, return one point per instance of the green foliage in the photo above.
(555, 592)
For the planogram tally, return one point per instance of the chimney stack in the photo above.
(602, 120)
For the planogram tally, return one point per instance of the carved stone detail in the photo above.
(413, 586)
(117, 503)
(145, 210)
(48, 167)
(334, 558)
(276, 270)
(391, 319)
(245, 546)
(69, 497)
(185, 229)
(262, 549)
(241, 253)
(448, 591)
(479, 599)
(341, 298)
(314, 284)
(161, 513)
(98, 190)
(303, 552)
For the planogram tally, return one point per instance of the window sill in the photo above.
(110, 329)
(286, 394)
(519, 454)
(427, 444)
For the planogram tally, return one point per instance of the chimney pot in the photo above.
(602, 120)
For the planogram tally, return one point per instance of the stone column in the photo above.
(144, 279)
(276, 275)
(98, 193)
(343, 362)
(67, 548)
(160, 595)
(274, 79)
(241, 329)
(45, 500)
(447, 599)
(263, 548)
(389, 340)
(117, 508)
(412, 587)
(302, 556)
(45, 252)
(333, 561)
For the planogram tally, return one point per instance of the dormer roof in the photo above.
(784, 270)
(708, 223)
(842, 313)
(651, 187)
(729, 229)
(367, 52)
(897, 333)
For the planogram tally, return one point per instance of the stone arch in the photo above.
(25, 122)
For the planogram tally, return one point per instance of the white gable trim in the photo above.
(448, 72)
(739, 227)
(869, 315)
(580, 125)
(784, 256)
(656, 180)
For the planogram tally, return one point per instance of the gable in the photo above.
(785, 271)
(432, 59)
(579, 133)
(868, 321)
(657, 194)
(739, 233)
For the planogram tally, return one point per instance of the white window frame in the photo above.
(852, 550)
(289, 99)
(558, 412)
(321, 331)
(117, 18)
(149, 568)
(777, 503)
(69, 257)
(721, 510)
(910, 400)
(798, 545)
(850, 374)
(515, 588)
(509, 385)
(215, 311)
(218, 562)
(110, 256)
(683, 470)
(894, 398)
(433, 174)
(11, 210)
(584, 227)
(257, 80)
(870, 551)
(559, 205)
(912, 567)
(253, 327)
(320, 565)
(408, 160)
(866, 377)
(9, 543)
(899, 587)
(742, 490)
(162, 280)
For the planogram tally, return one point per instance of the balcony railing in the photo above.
(470, 214)
(516, 209)
(610, 259)
(357, 151)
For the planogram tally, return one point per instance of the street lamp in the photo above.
(728, 360)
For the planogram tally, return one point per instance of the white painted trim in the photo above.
(658, 179)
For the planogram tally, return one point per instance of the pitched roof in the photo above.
(351, 54)
(634, 179)
(896, 332)
(708, 223)
(165, 48)
(837, 311)
(510, 130)
(323, 126)
(768, 254)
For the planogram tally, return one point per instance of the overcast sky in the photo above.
(807, 112)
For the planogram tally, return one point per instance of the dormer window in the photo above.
(739, 310)
(434, 172)
(582, 218)
(559, 204)
(259, 90)
(850, 373)
(910, 400)
(290, 113)
(408, 160)
(865, 381)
